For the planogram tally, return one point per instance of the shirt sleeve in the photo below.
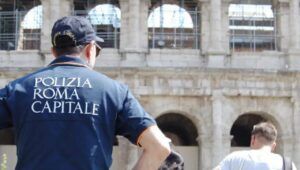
(132, 120)
(5, 115)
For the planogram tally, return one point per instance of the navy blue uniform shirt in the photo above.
(66, 117)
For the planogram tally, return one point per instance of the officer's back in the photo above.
(60, 110)
(66, 115)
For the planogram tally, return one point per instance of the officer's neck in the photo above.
(73, 55)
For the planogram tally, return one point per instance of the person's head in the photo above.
(263, 134)
(75, 36)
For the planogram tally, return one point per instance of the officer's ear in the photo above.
(90, 54)
(90, 50)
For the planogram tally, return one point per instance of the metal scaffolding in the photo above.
(13, 34)
(105, 18)
(253, 31)
(174, 27)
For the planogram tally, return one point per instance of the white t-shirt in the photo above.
(252, 160)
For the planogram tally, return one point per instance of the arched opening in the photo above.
(174, 24)
(31, 29)
(13, 35)
(179, 129)
(105, 17)
(242, 127)
(252, 26)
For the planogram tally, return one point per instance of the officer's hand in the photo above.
(173, 162)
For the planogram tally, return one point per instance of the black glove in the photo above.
(173, 162)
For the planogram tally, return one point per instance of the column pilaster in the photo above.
(281, 12)
(134, 32)
(294, 26)
(217, 134)
(204, 25)
(287, 13)
(225, 26)
(213, 45)
(296, 128)
(226, 144)
(204, 142)
(215, 22)
(52, 10)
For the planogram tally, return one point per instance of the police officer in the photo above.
(66, 115)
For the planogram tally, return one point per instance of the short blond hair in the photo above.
(265, 130)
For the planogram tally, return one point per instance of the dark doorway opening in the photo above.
(242, 127)
(179, 129)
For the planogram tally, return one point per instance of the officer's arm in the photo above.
(156, 148)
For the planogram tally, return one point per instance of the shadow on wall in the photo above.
(179, 129)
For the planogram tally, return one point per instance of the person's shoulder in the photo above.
(276, 155)
(238, 155)
(106, 79)
(270, 155)
(234, 158)
(108, 84)
(23, 79)
(100, 75)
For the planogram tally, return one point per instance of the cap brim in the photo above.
(98, 46)
(99, 40)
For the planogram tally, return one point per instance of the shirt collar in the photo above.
(67, 60)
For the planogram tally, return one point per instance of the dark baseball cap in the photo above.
(72, 31)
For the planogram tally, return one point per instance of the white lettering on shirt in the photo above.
(60, 95)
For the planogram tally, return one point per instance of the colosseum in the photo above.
(207, 70)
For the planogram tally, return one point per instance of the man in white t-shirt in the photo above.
(260, 157)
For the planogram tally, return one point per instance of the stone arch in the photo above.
(186, 4)
(85, 5)
(196, 120)
(105, 14)
(182, 18)
(266, 115)
(30, 31)
(179, 128)
(273, 109)
(174, 24)
(191, 154)
(282, 109)
(242, 126)
(194, 108)
(12, 32)
(105, 17)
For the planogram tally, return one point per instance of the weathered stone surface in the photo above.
(209, 86)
